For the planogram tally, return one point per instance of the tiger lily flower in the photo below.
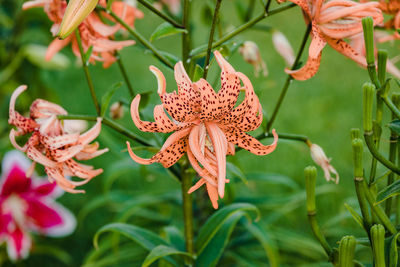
(391, 7)
(27, 205)
(51, 146)
(93, 32)
(206, 125)
(332, 22)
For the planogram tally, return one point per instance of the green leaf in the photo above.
(395, 126)
(216, 246)
(171, 58)
(393, 253)
(162, 251)
(145, 99)
(198, 73)
(54, 251)
(390, 191)
(215, 222)
(355, 215)
(105, 100)
(273, 178)
(269, 245)
(88, 54)
(174, 236)
(233, 171)
(165, 29)
(145, 238)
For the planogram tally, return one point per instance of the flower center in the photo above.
(17, 207)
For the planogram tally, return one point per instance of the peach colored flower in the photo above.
(94, 33)
(251, 54)
(51, 146)
(206, 125)
(332, 21)
(391, 7)
(283, 47)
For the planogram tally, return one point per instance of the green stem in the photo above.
(125, 75)
(378, 210)
(150, 6)
(391, 106)
(317, 232)
(200, 51)
(358, 182)
(288, 79)
(186, 183)
(186, 34)
(211, 38)
(392, 158)
(368, 136)
(87, 74)
(139, 37)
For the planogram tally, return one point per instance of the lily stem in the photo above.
(186, 183)
(200, 51)
(87, 73)
(125, 75)
(139, 37)
(211, 38)
(317, 232)
(288, 79)
(150, 7)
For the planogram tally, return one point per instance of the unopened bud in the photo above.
(310, 174)
(378, 244)
(346, 251)
(251, 54)
(116, 111)
(75, 126)
(76, 12)
(319, 157)
(283, 47)
(368, 99)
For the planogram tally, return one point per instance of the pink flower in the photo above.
(28, 206)
(51, 146)
(94, 33)
(206, 125)
(332, 22)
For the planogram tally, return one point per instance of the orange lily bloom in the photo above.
(51, 146)
(206, 125)
(331, 22)
(391, 7)
(94, 33)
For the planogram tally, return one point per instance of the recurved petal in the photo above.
(161, 83)
(33, 3)
(42, 108)
(250, 143)
(202, 172)
(308, 70)
(81, 170)
(55, 142)
(91, 134)
(211, 106)
(347, 50)
(16, 119)
(213, 195)
(317, 42)
(55, 46)
(37, 156)
(197, 185)
(178, 108)
(61, 155)
(86, 156)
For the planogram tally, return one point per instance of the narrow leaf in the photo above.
(162, 251)
(163, 30)
(234, 171)
(390, 191)
(395, 126)
(105, 100)
(355, 215)
(215, 222)
(198, 73)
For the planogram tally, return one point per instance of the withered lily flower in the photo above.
(319, 157)
(206, 125)
(251, 54)
(51, 146)
(332, 22)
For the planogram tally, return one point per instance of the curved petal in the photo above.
(61, 155)
(16, 119)
(347, 50)
(251, 144)
(55, 142)
(81, 170)
(33, 3)
(202, 172)
(213, 195)
(220, 147)
(317, 42)
(161, 83)
(18, 244)
(211, 106)
(56, 46)
(91, 134)
(308, 70)
(15, 181)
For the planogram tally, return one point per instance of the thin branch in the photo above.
(288, 79)
(87, 73)
(139, 37)
(211, 38)
(125, 75)
(149, 6)
(185, 34)
(201, 50)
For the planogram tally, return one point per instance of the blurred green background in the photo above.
(323, 108)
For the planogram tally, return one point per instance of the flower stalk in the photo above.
(150, 7)
(310, 174)
(288, 79)
(87, 73)
(211, 38)
(187, 201)
(125, 75)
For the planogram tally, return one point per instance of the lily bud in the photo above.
(116, 111)
(75, 126)
(310, 174)
(283, 47)
(319, 157)
(368, 100)
(76, 12)
(251, 54)
(346, 251)
(378, 244)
